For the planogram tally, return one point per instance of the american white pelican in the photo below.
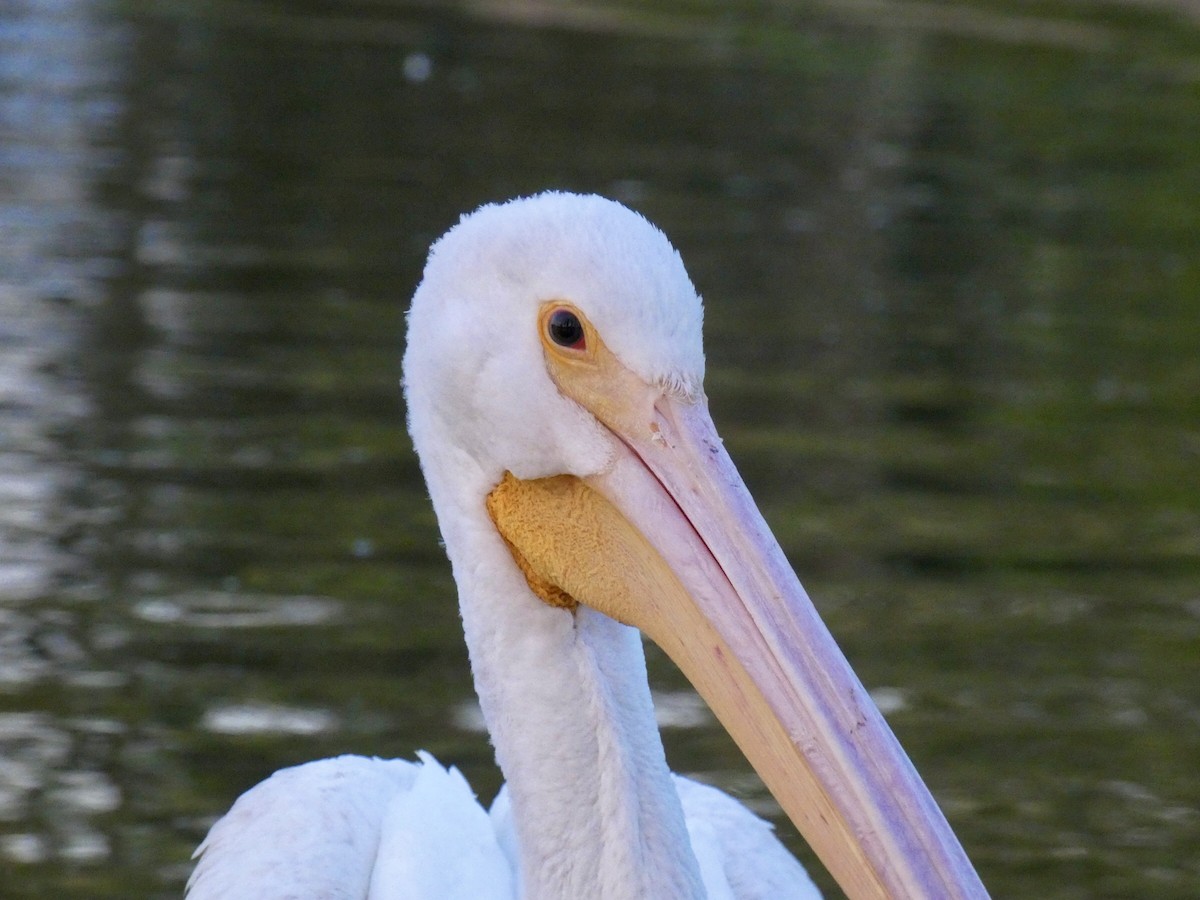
(554, 380)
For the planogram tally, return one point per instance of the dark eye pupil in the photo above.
(565, 328)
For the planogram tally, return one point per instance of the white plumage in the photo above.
(353, 827)
(590, 809)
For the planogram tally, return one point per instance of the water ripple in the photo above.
(254, 718)
(213, 609)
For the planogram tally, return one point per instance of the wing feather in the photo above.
(740, 857)
(353, 828)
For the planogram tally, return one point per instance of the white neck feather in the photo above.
(564, 695)
(567, 704)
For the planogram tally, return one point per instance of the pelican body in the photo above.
(554, 379)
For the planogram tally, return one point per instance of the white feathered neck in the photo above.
(564, 695)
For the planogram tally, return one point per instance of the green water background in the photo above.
(950, 258)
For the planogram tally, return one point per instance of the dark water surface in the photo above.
(951, 261)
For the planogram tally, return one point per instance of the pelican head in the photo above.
(554, 376)
(476, 353)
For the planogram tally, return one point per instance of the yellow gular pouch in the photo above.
(519, 523)
(574, 546)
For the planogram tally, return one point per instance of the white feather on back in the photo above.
(358, 828)
(437, 841)
(354, 828)
(740, 857)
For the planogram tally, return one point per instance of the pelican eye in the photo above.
(565, 329)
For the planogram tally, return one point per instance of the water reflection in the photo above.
(236, 610)
(952, 345)
(256, 719)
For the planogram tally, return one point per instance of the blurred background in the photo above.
(949, 253)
